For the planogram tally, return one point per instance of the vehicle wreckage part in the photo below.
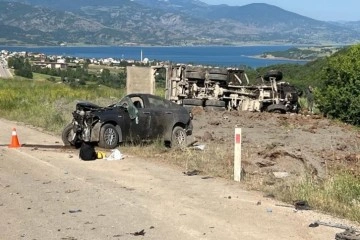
(68, 135)
(195, 75)
(276, 108)
(218, 77)
(179, 137)
(193, 102)
(348, 234)
(109, 137)
(273, 74)
(215, 105)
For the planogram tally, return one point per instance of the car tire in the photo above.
(109, 137)
(67, 136)
(178, 138)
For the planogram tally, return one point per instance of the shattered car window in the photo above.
(128, 104)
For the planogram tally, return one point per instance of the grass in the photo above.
(49, 105)
(338, 194)
(93, 68)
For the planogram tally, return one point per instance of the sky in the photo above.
(324, 10)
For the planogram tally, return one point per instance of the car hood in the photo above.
(87, 106)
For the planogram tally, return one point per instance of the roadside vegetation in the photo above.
(48, 105)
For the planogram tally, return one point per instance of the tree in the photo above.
(339, 97)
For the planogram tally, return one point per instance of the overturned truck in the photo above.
(229, 88)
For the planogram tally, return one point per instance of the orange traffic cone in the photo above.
(14, 140)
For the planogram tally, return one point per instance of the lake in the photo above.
(208, 55)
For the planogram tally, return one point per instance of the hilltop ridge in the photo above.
(175, 22)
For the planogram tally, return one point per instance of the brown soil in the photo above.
(293, 144)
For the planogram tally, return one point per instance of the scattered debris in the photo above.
(115, 155)
(75, 211)
(198, 147)
(348, 234)
(270, 195)
(281, 174)
(284, 205)
(207, 177)
(265, 164)
(140, 233)
(301, 205)
(192, 173)
(72, 191)
(329, 224)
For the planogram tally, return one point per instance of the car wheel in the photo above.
(109, 137)
(179, 138)
(67, 136)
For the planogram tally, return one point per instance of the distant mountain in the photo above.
(353, 25)
(161, 22)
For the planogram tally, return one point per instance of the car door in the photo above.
(140, 121)
(162, 117)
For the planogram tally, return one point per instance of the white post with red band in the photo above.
(237, 155)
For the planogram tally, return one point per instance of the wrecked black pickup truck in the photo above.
(135, 118)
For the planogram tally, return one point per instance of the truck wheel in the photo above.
(276, 108)
(195, 75)
(215, 105)
(218, 77)
(178, 138)
(273, 74)
(109, 137)
(222, 71)
(193, 102)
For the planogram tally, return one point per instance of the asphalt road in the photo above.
(47, 192)
(4, 71)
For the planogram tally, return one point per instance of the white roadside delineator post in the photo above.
(237, 155)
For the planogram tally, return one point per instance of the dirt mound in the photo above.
(290, 144)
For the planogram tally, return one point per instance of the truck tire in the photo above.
(276, 108)
(193, 102)
(218, 71)
(215, 105)
(195, 75)
(273, 74)
(218, 77)
(194, 69)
